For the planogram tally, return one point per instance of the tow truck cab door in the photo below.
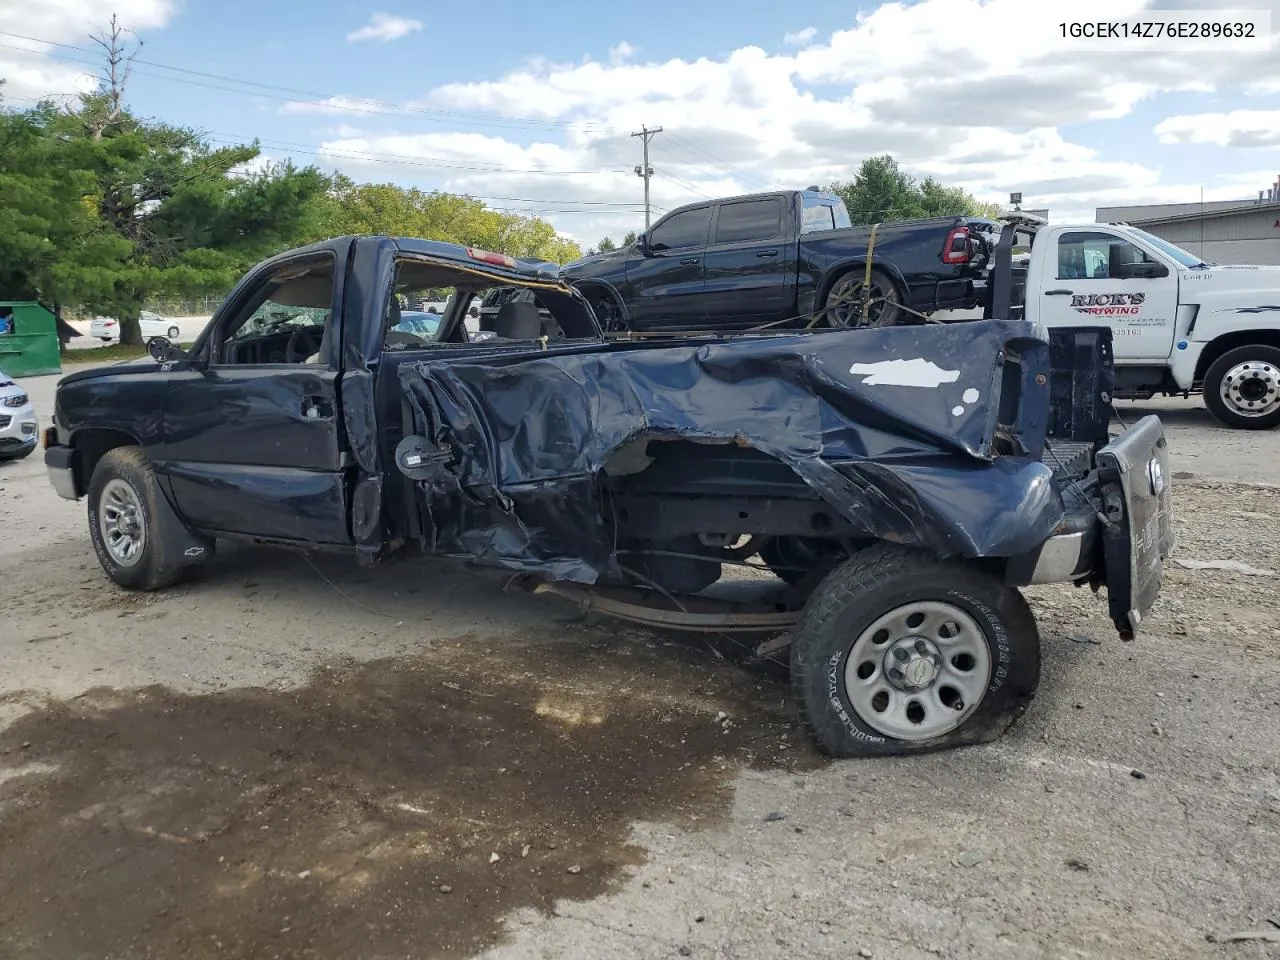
(253, 435)
(1103, 275)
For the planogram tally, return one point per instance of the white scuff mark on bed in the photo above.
(916, 372)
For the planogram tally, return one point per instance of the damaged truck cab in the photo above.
(889, 491)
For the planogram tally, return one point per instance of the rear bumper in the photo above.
(1122, 536)
(62, 476)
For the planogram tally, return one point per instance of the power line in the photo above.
(398, 160)
(684, 183)
(360, 105)
(723, 166)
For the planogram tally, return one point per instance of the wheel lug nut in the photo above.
(895, 674)
(901, 654)
(921, 647)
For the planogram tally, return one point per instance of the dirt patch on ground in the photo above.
(389, 808)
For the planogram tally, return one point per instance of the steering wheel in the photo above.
(291, 354)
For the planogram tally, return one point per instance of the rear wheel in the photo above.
(899, 652)
(844, 301)
(1242, 387)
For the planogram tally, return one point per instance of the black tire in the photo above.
(1263, 381)
(20, 455)
(154, 568)
(883, 311)
(174, 333)
(876, 581)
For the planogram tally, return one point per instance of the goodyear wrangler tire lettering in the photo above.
(857, 596)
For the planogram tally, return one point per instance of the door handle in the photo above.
(767, 253)
(690, 261)
(1057, 293)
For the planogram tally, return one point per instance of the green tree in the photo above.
(386, 208)
(629, 239)
(103, 210)
(606, 245)
(882, 191)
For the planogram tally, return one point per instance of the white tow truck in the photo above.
(1180, 325)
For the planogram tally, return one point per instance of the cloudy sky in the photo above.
(531, 106)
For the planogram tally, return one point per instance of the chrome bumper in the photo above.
(1062, 559)
(62, 476)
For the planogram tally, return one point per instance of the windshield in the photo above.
(1167, 248)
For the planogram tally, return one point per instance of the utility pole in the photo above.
(646, 171)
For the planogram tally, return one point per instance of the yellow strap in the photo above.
(871, 246)
(866, 277)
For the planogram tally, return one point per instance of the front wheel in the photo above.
(608, 313)
(124, 524)
(1242, 387)
(899, 652)
(173, 333)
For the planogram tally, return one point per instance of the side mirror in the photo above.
(642, 245)
(162, 350)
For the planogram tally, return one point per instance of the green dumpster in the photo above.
(28, 339)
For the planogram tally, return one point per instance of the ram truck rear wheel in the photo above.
(899, 652)
(843, 303)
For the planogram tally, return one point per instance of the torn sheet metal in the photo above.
(895, 428)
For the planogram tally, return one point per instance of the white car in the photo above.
(18, 427)
(152, 324)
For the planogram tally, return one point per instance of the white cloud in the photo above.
(28, 73)
(801, 38)
(620, 52)
(385, 27)
(1236, 128)
(331, 105)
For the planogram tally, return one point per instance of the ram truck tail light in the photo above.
(956, 247)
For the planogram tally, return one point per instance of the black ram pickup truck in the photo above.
(782, 259)
(901, 484)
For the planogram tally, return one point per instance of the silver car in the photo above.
(18, 428)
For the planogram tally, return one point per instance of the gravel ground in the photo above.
(283, 759)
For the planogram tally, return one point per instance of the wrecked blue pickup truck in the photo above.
(892, 488)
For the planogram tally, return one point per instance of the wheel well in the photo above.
(91, 446)
(1229, 341)
(592, 291)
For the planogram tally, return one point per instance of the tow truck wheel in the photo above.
(1242, 387)
(899, 652)
(124, 524)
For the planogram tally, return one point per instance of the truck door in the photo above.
(665, 283)
(750, 264)
(1103, 276)
(252, 425)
